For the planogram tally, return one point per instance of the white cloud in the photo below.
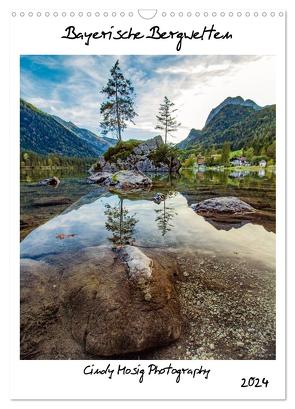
(195, 84)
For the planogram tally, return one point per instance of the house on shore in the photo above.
(262, 163)
(241, 161)
(201, 163)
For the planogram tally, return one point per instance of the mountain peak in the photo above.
(232, 101)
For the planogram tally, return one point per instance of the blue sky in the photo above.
(69, 86)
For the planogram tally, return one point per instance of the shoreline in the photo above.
(228, 307)
(227, 301)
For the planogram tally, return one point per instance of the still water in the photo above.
(99, 217)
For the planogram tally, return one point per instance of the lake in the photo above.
(224, 272)
(93, 217)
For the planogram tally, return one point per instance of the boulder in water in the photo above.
(54, 181)
(222, 206)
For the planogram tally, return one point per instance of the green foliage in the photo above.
(249, 153)
(241, 126)
(189, 162)
(258, 158)
(118, 108)
(183, 154)
(210, 161)
(41, 133)
(31, 107)
(34, 160)
(236, 154)
(166, 121)
(225, 154)
(122, 150)
(192, 141)
(166, 154)
(271, 150)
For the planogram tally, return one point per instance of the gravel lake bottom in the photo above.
(224, 273)
(228, 307)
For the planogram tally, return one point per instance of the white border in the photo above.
(23, 371)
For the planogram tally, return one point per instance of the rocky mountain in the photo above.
(192, 138)
(242, 124)
(101, 143)
(232, 101)
(43, 133)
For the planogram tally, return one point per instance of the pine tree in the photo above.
(225, 154)
(118, 108)
(166, 121)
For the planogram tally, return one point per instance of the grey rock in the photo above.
(54, 181)
(129, 180)
(139, 265)
(122, 180)
(100, 177)
(138, 160)
(145, 165)
(222, 205)
(147, 146)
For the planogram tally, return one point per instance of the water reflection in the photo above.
(261, 173)
(120, 223)
(226, 225)
(239, 174)
(100, 217)
(33, 175)
(165, 215)
(177, 226)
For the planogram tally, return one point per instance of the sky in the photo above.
(69, 86)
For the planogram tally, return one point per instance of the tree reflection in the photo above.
(120, 223)
(165, 215)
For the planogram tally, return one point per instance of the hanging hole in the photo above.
(147, 14)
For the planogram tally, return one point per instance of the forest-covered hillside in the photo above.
(44, 134)
(241, 125)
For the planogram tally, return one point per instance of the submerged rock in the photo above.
(96, 302)
(39, 307)
(54, 181)
(159, 197)
(222, 206)
(52, 201)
